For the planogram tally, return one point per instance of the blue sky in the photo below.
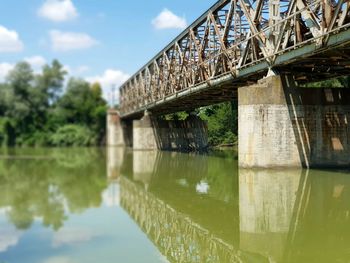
(105, 40)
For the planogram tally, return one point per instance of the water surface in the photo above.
(93, 205)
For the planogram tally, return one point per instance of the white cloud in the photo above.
(9, 40)
(168, 20)
(109, 79)
(71, 236)
(76, 71)
(111, 196)
(8, 237)
(58, 10)
(37, 62)
(81, 69)
(5, 68)
(68, 69)
(4, 210)
(66, 41)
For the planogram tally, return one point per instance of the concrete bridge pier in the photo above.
(281, 125)
(119, 132)
(154, 133)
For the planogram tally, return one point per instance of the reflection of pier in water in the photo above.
(259, 216)
(295, 216)
(266, 202)
(115, 158)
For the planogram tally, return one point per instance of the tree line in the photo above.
(37, 110)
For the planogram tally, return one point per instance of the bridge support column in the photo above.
(152, 133)
(281, 125)
(119, 132)
(144, 136)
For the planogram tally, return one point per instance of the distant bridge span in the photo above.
(235, 43)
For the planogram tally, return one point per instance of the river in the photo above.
(116, 205)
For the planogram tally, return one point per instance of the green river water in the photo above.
(116, 205)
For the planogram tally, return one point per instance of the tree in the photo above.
(222, 123)
(50, 82)
(83, 104)
(33, 108)
(19, 104)
(96, 90)
(20, 79)
(77, 103)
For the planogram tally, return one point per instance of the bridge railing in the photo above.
(230, 37)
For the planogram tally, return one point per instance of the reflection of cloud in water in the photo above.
(163, 258)
(111, 197)
(4, 210)
(9, 236)
(71, 236)
(202, 187)
(183, 182)
(59, 260)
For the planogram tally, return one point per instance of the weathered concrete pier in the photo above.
(283, 125)
(152, 133)
(118, 131)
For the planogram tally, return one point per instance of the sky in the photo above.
(98, 40)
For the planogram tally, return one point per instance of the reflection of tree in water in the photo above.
(50, 186)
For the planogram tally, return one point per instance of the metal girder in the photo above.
(230, 37)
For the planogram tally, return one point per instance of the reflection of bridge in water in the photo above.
(262, 216)
(162, 199)
(175, 234)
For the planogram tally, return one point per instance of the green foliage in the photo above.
(2, 132)
(341, 82)
(50, 83)
(72, 135)
(35, 109)
(84, 105)
(37, 138)
(222, 123)
(179, 116)
(7, 133)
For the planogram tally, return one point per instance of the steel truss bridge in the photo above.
(237, 42)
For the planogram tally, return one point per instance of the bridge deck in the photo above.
(235, 43)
